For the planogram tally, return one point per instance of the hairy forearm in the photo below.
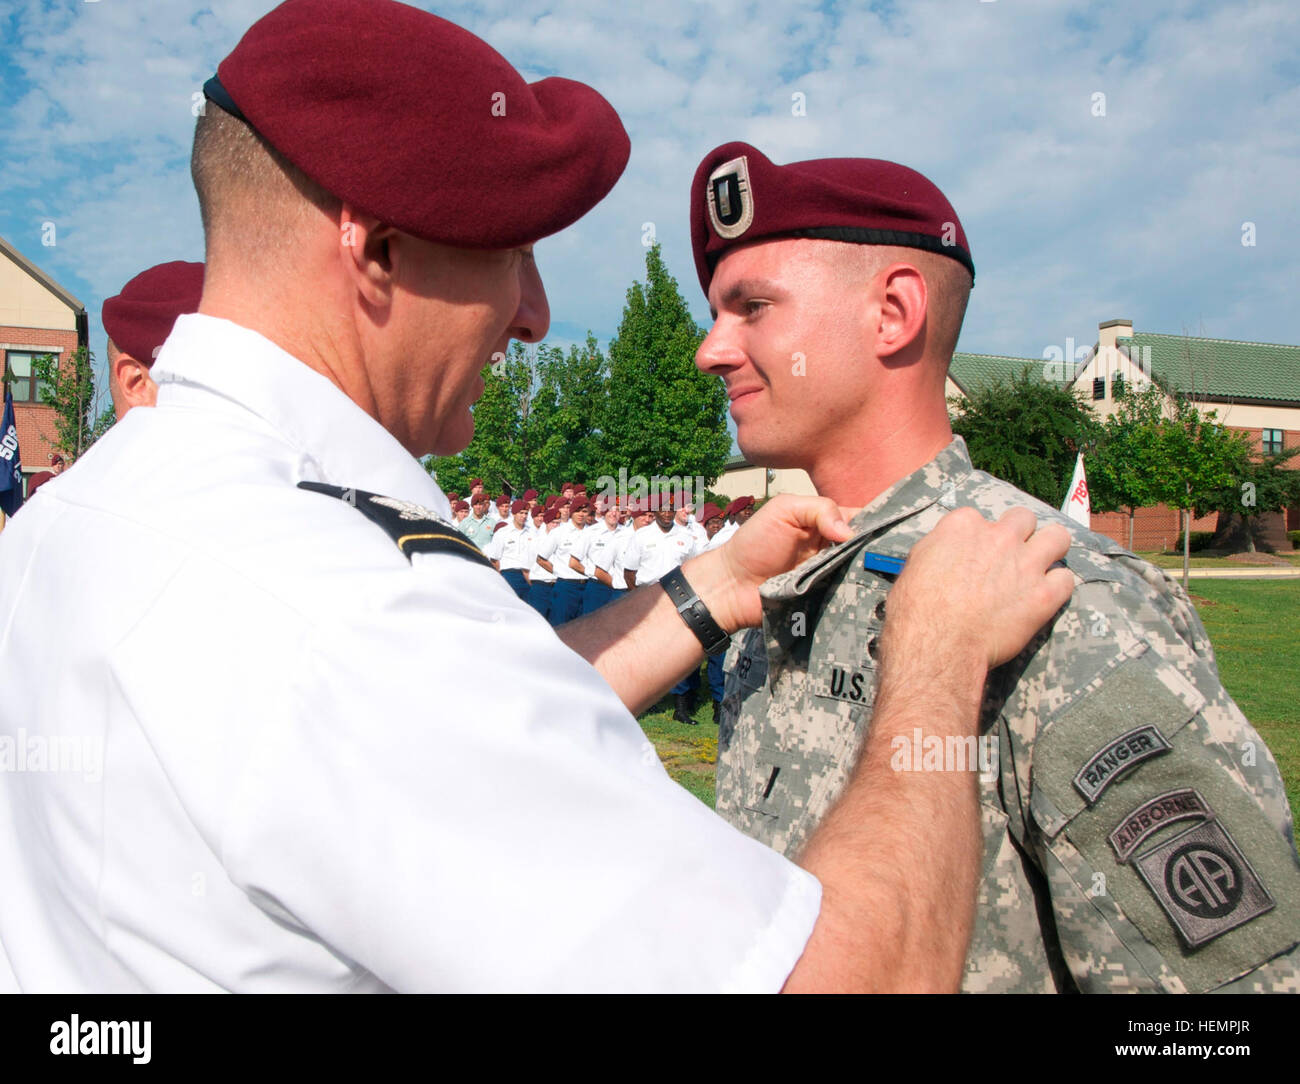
(640, 644)
(899, 854)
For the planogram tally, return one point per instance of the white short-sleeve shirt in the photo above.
(266, 795)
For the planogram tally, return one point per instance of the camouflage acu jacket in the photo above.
(1136, 832)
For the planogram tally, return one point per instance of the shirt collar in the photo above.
(905, 498)
(340, 443)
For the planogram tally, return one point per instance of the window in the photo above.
(1099, 388)
(19, 364)
(1117, 386)
(1272, 441)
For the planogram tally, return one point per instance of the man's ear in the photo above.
(904, 303)
(364, 249)
(134, 380)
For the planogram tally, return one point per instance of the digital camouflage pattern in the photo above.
(1136, 831)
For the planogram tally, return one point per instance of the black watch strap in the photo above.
(694, 612)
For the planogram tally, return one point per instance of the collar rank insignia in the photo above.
(413, 527)
(731, 202)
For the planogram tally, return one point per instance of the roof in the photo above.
(974, 372)
(1221, 369)
(41, 277)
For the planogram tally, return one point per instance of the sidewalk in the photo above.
(1237, 574)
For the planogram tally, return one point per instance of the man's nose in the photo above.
(533, 318)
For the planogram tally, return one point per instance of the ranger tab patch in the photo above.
(1204, 883)
(1118, 757)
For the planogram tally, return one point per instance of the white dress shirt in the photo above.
(509, 547)
(652, 551)
(268, 796)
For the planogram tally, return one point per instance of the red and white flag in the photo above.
(1076, 504)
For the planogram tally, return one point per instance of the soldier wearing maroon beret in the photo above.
(858, 270)
(138, 320)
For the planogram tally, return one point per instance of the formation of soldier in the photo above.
(568, 554)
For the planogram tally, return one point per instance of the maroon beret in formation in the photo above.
(550, 515)
(577, 504)
(460, 506)
(518, 506)
(503, 499)
(475, 483)
(498, 527)
(739, 196)
(739, 505)
(530, 494)
(410, 118)
(140, 318)
(710, 511)
(479, 498)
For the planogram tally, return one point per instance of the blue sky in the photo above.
(1074, 216)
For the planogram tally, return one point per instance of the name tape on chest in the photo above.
(413, 527)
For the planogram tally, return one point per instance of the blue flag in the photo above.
(11, 472)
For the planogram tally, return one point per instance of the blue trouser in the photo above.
(539, 598)
(566, 602)
(717, 681)
(690, 684)
(515, 578)
(595, 595)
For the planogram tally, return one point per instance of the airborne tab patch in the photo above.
(1204, 883)
(1118, 757)
(413, 527)
(1148, 818)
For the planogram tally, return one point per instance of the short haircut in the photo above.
(948, 285)
(247, 189)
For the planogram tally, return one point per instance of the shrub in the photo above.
(1200, 540)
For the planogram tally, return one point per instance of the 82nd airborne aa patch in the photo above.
(730, 200)
(1204, 883)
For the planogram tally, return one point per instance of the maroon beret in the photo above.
(475, 482)
(416, 121)
(739, 196)
(503, 499)
(550, 515)
(530, 494)
(739, 505)
(518, 506)
(500, 524)
(578, 503)
(479, 498)
(460, 506)
(710, 511)
(140, 318)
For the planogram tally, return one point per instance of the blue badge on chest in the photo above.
(882, 563)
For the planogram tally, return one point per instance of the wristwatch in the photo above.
(695, 613)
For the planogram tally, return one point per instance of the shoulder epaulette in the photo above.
(413, 527)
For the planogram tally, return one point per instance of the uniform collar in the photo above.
(340, 443)
(934, 482)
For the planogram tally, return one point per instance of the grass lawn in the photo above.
(1255, 628)
(1253, 624)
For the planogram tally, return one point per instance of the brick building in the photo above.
(37, 316)
(1252, 387)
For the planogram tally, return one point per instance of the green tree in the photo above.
(70, 389)
(1027, 432)
(664, 417)
(1193, 457)
(1118, 478)
(566, 426)
(1266, 484)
